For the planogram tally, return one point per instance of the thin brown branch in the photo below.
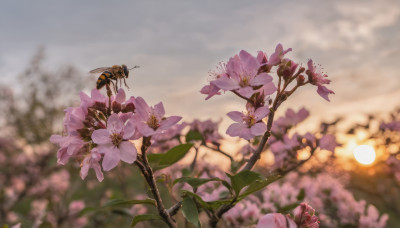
(149, 176)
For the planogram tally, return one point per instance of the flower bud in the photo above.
(300, 79)
(85, 134)
(116, 107)
(130, 107)
(89, 121)
(100, 106)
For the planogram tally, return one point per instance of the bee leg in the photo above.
(114, 86)
(126, 84)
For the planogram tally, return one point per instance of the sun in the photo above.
(364, 154)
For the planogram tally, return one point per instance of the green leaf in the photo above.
(243, 179)
(287, 208)
(194, 182)
(189, 211)
(120, 202)
(87, 210)
(301, 195)
(212, 205)
(154, 158)
(144, 217)
(193, 136)
(123, 212)
(46, 225)
(258, 185)
(199, 200)
(175, 154)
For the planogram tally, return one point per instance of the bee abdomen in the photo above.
(103, 79)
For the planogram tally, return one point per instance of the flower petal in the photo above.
(170, 121)
(261, 112)
(114, 124)
(141, 108)
(261, 79)
(159, 110)
(120, 98)
(97, 170)
(128, 152)
(250, 63)
(236, 116)
(111, 158)
(238, 129)
(144, 129)
(129, 129)
(97, 96)
(246, 91)
(226, 83)
(269, 88)
(101, 136)
(324, 92)
(258, 129)
(85, 167)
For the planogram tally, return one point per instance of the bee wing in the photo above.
(99, 70)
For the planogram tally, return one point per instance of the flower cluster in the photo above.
(250, 78)
(336, 206)
(101, 130)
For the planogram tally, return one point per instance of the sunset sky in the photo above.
(176, 43)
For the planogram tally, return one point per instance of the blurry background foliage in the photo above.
(33, 108)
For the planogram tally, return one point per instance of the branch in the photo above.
(175, 208)
(149, 176)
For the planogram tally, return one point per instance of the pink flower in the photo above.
(74, 118)
(371, 219)
(243, 75)
(392, 126)
(319, 79)
(207, 128)
(212, 89)
(328, 142)
(113, 142)
(17, 225)
(290, 120)
(95, 97)
(242, 214)
(92, 161)
(69, 146)
(276, 220)
(150, 121)
(76, 206)
(304, 216)
(277, 56)
(248, 124)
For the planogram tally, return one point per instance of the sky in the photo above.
(176, 44)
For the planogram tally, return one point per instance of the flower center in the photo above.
(153, 122)
(116, 139)
(249, 119)
(244, 80)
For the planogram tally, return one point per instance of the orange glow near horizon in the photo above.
(364, 154)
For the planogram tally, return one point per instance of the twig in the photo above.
(147, 172)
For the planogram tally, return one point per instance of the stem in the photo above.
(195, 159)
(254, 158)
(245, 98)
(149, 176)
(175, 208)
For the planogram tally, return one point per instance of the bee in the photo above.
(116, 72)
